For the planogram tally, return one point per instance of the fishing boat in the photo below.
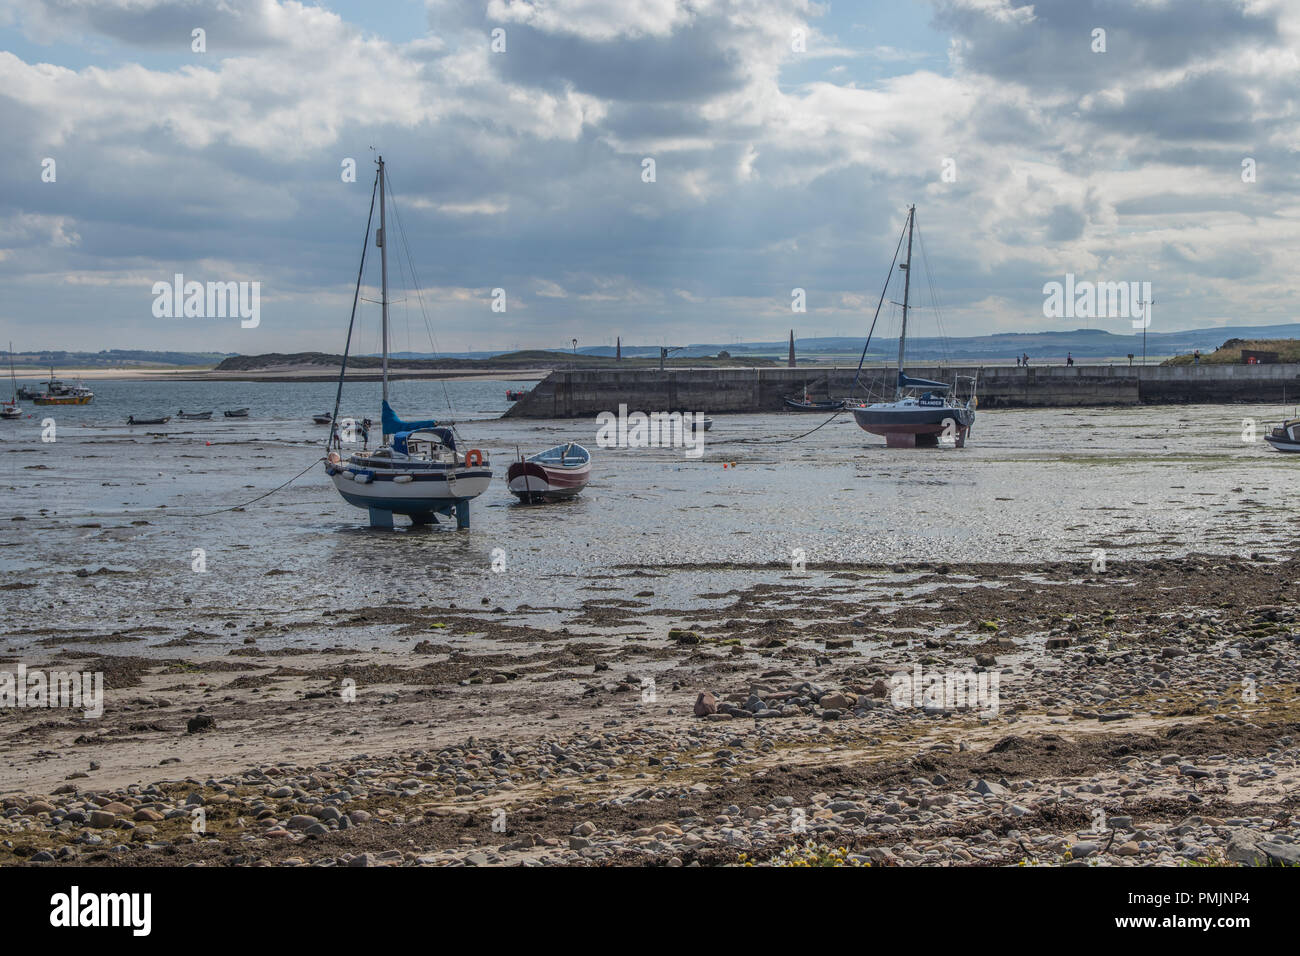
(1285, 437)
(77, 395)
(418, 471)
(193, 416)
(236, 413)
(922, 411)
(807, 404)
(56, 393)
(557, 473)
(11, 409)
(695, 423)
(51, 387)
(795, 405)
(132, 420)
(324, 418)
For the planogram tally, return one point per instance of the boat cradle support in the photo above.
(382, 518)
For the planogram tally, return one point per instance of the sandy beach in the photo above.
(1145, 715)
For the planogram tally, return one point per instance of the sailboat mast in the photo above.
(907, 288)
(384, 278)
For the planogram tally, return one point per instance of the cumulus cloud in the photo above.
(522, 166)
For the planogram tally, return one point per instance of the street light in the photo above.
(1146, 321)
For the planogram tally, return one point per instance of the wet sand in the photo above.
(383, 698)
(1161, 694)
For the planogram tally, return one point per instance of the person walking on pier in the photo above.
(1069, 359)
(1196, 356)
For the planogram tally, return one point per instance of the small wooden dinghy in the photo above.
(236, 413)
(557, 473)
(132, 420)
(193, 416)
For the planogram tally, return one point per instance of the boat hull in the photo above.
(915, 427)
(795, 405)
(1283, 444)
(62, 400)
(429, 492)
(531, 482)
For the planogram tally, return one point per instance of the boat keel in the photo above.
(383, 518)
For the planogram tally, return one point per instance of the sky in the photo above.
(788, 140)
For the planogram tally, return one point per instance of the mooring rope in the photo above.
(208, 514)
(776, 441)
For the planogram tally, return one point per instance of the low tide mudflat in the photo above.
(526, 692)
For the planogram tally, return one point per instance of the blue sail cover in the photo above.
(400, 438)
(904, 381)
(393, 424)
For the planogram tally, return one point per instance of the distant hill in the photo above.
(112, 358)
(1229, 353)
(528, 359)
(1084, 344)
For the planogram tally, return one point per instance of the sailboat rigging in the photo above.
(922, 410)
(417, 471)
(11, 409)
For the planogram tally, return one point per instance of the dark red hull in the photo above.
(532, 482)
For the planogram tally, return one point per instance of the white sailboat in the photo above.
(922, 411)
(417, 471)
(11, 409)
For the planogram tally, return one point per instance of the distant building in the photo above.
(1256, 357)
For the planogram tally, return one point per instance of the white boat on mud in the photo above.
(922, 411)
(1285, 437)
(418, 471)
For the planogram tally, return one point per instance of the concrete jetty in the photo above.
(580, 393)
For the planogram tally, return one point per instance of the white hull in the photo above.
(419, 493)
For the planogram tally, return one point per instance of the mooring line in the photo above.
(208, 514)
(777, 441)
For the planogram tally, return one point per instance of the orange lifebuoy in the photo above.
(473, 457)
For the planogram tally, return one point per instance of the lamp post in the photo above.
(1146, 321)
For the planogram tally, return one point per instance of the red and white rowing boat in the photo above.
(559, 472)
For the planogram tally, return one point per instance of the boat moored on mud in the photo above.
(553, 475)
